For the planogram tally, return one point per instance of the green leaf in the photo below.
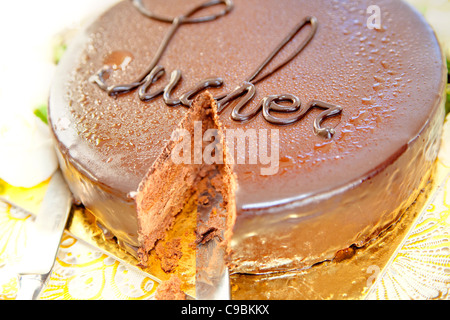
(58, 52)
(447, 104)
(41, 113)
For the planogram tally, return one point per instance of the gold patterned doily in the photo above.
(80, 272)
(420, 269)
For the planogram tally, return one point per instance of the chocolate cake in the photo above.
(347, 116)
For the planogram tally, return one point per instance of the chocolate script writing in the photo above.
(242, 94)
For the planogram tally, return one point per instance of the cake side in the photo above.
(107, 206)
(322, 225)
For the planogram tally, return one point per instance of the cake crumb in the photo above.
(204, 200)
(210, 229)
(170, 290)
(169, 253)
(344, 254)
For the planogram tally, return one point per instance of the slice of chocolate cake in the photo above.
(177, 173)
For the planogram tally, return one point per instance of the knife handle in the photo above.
(30, 286)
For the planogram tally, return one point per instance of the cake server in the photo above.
(44, 239)
(213, 282)
(212, 276)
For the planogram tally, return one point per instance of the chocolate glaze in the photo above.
(154, 72)
(328, 194)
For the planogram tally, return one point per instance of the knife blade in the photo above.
(44, 239)
(213, 282)
(212, 277)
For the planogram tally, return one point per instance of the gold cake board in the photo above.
(368, 274)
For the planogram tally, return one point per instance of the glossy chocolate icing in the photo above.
(328, 193)
(244, 93)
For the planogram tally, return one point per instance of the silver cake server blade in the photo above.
(212, 277)
(44, 239)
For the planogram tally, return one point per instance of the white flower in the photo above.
(27, 151)
(27, 155)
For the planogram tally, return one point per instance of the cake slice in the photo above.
(186, 167)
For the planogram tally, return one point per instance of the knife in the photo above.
(212, 277)
(213, 283)
(44, 239)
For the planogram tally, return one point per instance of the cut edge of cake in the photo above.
(169, 184)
